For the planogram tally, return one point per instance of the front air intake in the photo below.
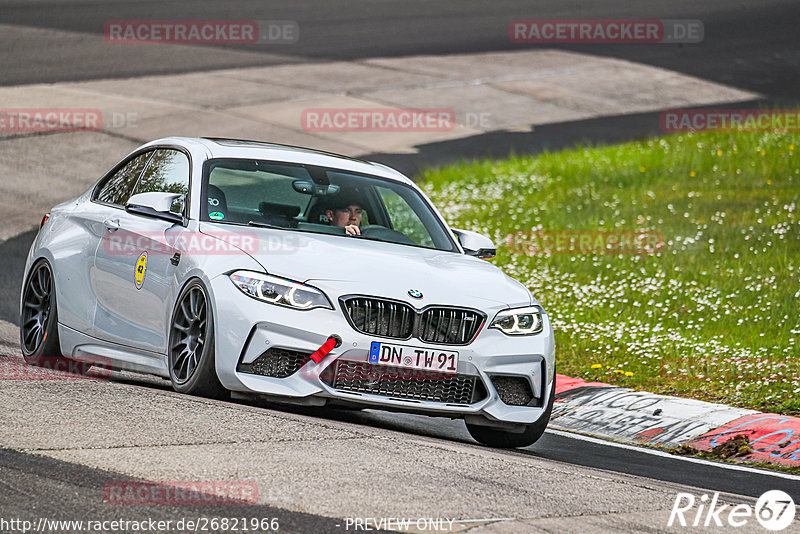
(515, 391)
(276, 363)
(399, 383)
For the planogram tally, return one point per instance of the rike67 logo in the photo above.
(774, 510)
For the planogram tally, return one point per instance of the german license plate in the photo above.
(425, 358)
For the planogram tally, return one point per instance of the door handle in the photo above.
(111, 224)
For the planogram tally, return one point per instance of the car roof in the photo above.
(241, 148)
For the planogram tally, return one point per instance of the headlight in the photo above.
(280, 291)
(519, 321)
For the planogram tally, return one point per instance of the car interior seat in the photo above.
(317, 215)
(217, 204)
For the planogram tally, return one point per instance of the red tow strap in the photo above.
(323, 351)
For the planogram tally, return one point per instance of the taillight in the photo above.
(44, 220)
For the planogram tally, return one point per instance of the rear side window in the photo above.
(167, 172)
(119, 187)
(245, 189)
(240, 191)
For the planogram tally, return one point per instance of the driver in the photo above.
(347, 213)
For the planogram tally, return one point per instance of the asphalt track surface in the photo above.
(751, 46)
(24, 475)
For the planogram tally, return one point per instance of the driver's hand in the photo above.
(352, 229)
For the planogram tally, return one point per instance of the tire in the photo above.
(503, 439)
(191, 357)
(38, 324)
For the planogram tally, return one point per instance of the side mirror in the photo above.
(476, 244)
(167, 206)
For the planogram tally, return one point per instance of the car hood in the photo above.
(341, 265)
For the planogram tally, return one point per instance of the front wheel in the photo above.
(191, 345)
(503, 439)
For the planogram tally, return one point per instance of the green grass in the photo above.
(714, 314)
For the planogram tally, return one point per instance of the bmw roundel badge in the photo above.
(415, 293)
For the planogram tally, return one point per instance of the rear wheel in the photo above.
(38, 330)
(504, 439)
(191, 345)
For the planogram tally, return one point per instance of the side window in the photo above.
(250, 191)
(120, 186)
(167, 172)
(403, 218)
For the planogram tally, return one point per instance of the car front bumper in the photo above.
(246, 328)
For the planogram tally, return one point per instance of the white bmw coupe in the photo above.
(251, 269)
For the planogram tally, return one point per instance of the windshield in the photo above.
(321, 200)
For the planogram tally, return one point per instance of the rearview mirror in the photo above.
(167, 206)
(475, 244)
(307, 187)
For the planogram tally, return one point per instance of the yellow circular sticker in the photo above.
(141, 268)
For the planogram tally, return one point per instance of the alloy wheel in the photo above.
(36, 305)
(188, 334)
